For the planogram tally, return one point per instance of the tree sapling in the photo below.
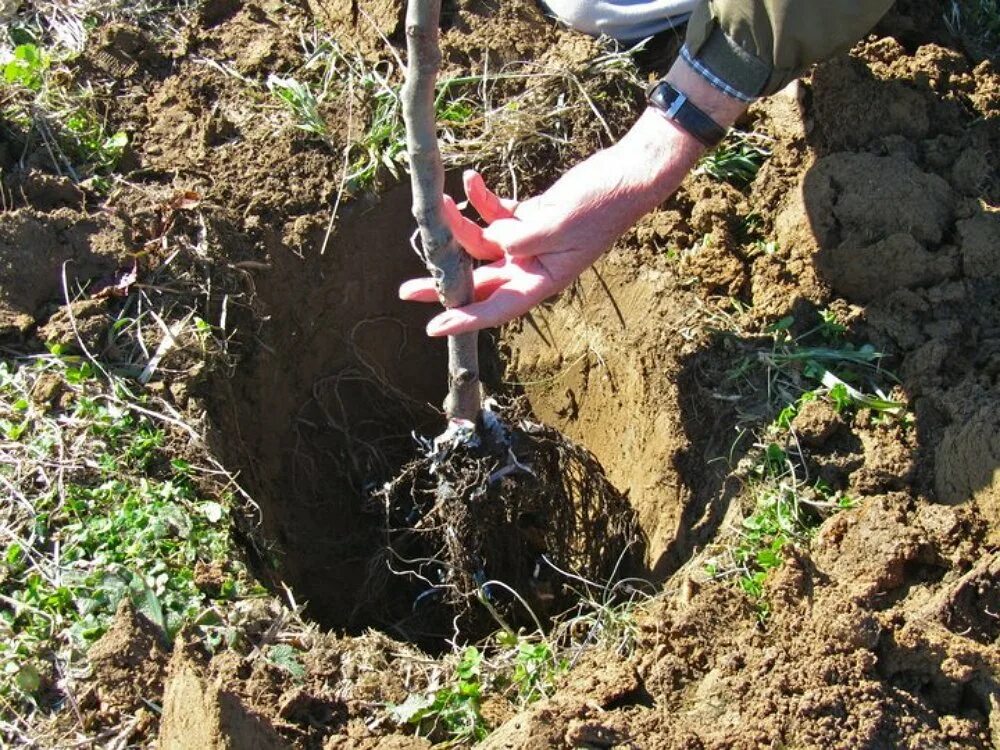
(447, 263)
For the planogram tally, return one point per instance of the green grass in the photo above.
(737, 159)
(301, 101)
(39, 101)
(783, 506)
(102, 508)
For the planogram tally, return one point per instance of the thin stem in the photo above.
(450, 267)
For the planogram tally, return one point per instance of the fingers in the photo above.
(521, 238)
(485, 201)
(504, 304)
(486, 279)
(418, 290)
(469, 234)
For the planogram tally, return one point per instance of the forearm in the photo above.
(648, 164)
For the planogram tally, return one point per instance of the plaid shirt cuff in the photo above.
(706, 73)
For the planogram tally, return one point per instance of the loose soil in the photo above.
(882, 195)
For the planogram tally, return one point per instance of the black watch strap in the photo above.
(675, 105)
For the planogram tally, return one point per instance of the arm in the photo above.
(735, 51)
(538, 247)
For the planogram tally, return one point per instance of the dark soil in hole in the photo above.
(325, 408)
(329, 410)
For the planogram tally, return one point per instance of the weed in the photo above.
(286, 658)
(451, 710)
(785, 509)
(763, 247)
(26, 67)
(99, 513)
(299, 98)
(785, 512)
(535, 667)
(66, 120)
(91, 142)
(737, 159)
(523, 668)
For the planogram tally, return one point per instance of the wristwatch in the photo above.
(675, 106)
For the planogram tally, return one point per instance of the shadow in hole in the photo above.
(323, 405)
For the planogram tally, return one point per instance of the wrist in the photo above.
(721, 107)
(662, 153)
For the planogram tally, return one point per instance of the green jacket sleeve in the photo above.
(754, 47)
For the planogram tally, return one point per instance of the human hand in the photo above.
(535, 248)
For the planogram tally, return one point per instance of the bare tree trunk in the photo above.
(445, 259)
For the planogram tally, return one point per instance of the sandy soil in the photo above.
(883, 198)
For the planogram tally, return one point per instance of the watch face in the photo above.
(662, 96)
(675, 106)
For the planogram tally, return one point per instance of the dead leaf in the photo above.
(119, 288)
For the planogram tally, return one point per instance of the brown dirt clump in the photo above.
(200, 714)
(129, 662)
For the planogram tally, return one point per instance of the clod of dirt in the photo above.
(968, 463)
(980, 244)
(129, 662)
(970, 607)
(364, 24)
(201, 714)
(873, 547)
(816, 423)
(853, 109)
(35, 249)
(866, 273)
(576, 713)
(42, 191)
(860, 199)
(83, 322)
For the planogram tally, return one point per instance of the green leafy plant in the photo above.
(286, 658)
(26, 67)
(124, 520)
(64, 117)
(452, 710)
(532, 670)
(93, 144)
